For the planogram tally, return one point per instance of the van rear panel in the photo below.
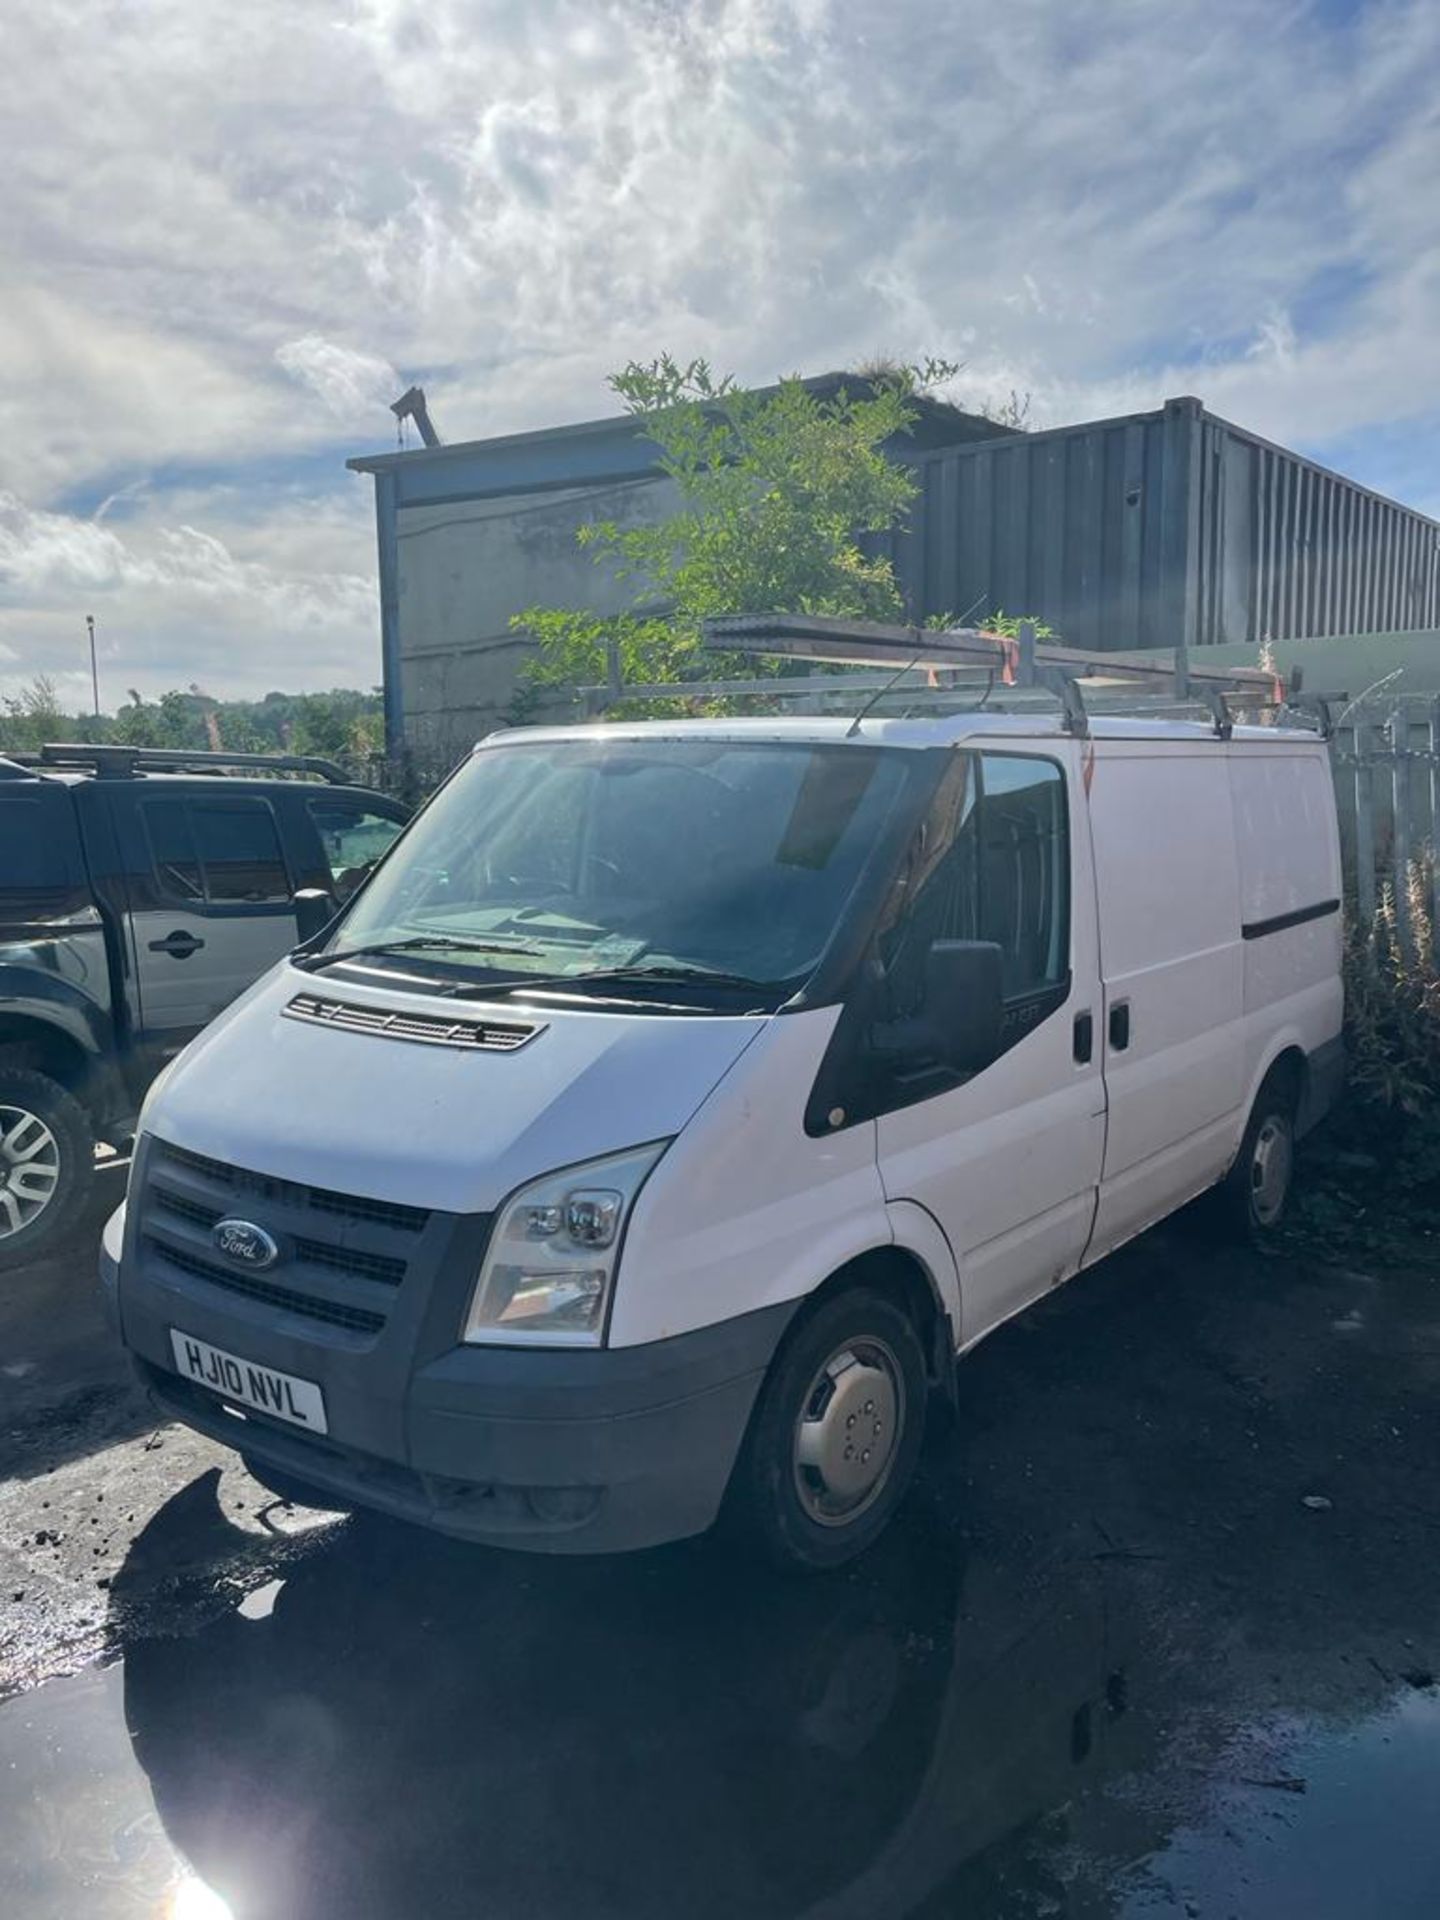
(1290, 887)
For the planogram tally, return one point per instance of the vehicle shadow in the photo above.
(417, 1727)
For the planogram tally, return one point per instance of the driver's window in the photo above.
(1024, 903)
(992, 863)
(941, 896)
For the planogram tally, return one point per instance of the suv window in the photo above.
(1001, 872)
(42, 875)
(172, 849)
(222, 852)
(353, 838)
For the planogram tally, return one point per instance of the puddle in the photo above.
(79, 1831)
(1343, 1829)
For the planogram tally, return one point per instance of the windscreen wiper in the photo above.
(641, 976)
(434, 942)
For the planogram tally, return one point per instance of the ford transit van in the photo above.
(655, 1127)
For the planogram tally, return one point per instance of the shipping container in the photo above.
(1160, 527)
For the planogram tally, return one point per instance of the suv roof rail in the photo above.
(109, 762)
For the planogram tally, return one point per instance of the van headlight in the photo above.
(553, 1252)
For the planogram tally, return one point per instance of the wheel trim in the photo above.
(1270, 1168)
(29, 1169)
(847, 1435)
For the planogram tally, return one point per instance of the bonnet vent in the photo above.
(470, 1036)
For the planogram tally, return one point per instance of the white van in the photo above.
(678, 1100)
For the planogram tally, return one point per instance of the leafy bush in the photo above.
(775, 490)
(783, 494)
(1392, 1021)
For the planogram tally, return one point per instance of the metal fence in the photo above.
(1387, 782)
(411, 776)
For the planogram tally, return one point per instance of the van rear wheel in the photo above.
(47, 1162)
(1255, 1194)
(835, 1434)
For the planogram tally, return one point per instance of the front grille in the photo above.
(343, 1257)
(375, 1266)
(355, 1319)
(471, 1036)
(386, 1267)
(349, 1206)
(354, 1206)
(183, 1209)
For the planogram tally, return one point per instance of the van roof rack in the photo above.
(944, 665)
(108, 762)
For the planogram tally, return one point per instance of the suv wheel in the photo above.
(47, 1162)
(835, 1434)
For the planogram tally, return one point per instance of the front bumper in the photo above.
(585, 1452)
(555, 1450)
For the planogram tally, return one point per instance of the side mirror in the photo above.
(315, 908)
(965, 1002)
(959, 1024)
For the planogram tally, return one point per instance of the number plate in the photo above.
(281, 1395)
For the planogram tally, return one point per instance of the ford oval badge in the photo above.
(243, 1241)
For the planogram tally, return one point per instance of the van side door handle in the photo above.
(1084, 1038)
(1120, 1026)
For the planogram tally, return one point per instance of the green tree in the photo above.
(776, 489)
(344, 724)
(32, 716)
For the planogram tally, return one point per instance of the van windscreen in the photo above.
(564, 859)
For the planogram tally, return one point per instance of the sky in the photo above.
(230, 235)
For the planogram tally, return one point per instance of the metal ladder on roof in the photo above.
(959, 668)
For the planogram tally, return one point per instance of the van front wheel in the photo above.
(835, 1434)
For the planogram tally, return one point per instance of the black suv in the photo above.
(140, 892)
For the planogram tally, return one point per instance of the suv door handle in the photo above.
(180, 944)
(1120, 1025)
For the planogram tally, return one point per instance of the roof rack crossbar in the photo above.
(116, 762)
(869, 643)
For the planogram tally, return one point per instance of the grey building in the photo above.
(1128, 533)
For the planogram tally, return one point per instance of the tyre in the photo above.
(835, 1433)
(291, 1488)
(47, 1163)
(1251, 1200)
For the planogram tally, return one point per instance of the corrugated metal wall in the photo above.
(1135, 532)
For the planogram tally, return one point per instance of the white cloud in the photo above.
(174, 603)
(232, 235)
(354, 386)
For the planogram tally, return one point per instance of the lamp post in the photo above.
(94, 672)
